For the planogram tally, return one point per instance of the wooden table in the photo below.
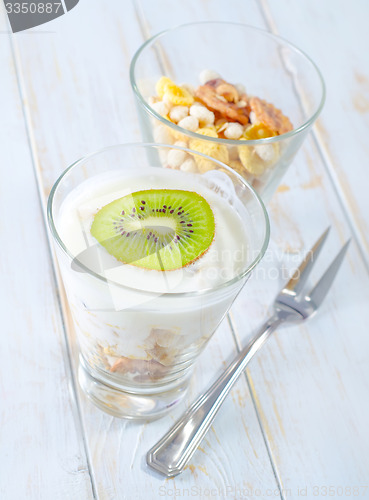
(296, 425)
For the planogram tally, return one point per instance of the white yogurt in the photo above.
(129, 317)
(225, 259)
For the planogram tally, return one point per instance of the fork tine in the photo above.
(320, 290)
(301, 274)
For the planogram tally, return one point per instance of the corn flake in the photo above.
(178, 96)
(208, 131)
(238, 167)
(161, 86)
(215, 150)
(251, 161)
(258, 131)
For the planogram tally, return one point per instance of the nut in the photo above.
(228, 91)
(270, 116)
(230, 111)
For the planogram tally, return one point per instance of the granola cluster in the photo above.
(218, 109)
(161, 350)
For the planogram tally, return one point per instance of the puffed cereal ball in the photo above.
(162, 134)
(189, 165)
(160, 107)
(208, 74)
(177, 113)
(176, 157)
(189, 123)
(233, 131)
(267, 152)
(203, 114)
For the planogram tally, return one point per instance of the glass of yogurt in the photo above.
(151, 258)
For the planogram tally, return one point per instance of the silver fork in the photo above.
(170, 455)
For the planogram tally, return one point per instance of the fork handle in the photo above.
(170, 455)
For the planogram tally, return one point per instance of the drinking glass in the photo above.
(267, 65)
(137, 345)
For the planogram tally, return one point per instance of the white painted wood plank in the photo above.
(336, 37)
(90, 105)
(42, 451)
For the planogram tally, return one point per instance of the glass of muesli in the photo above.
(251, 110)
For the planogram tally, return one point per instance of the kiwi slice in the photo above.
(161, 229)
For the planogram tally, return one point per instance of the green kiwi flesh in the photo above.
(159, 229)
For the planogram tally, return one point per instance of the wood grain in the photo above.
(335, 37)
(42, 449)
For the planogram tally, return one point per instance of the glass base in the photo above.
(149, 404)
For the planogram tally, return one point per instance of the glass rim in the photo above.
(205, 291)
(194, 135)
